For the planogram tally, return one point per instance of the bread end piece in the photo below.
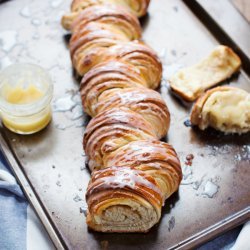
(189, 83)
(225, 108)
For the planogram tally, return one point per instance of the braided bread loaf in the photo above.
(132, 171)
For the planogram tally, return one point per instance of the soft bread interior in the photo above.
(191, 82)
(124, 215)
(123, 199)
(226, 109)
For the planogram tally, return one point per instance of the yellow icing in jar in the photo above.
(19, 95)
(25, 95)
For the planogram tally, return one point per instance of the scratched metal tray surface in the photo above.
(214, 195)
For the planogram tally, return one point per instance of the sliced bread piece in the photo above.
(226, 109)
(191, 82)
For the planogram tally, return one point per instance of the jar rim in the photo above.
(27, 108)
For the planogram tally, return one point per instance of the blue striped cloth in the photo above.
(20, 228)
(13, 211)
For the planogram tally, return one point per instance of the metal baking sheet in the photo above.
(50, 165)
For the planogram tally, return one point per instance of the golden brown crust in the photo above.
(89, 46)
(195, 116)
(147, 172)
(122, 178)
(145, 102)
(198, 118)
(181, 94)
(112, 129)
(109, 75)
(141, 56)
(95, 30)
(112, 15)
(145, 154)
(139, 8)
(123, 199)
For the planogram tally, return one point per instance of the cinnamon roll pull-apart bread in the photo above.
(137, 7)
(189, 83)
(132, 172)
(129, 197)
(226, 109)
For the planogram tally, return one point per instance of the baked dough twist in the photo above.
(95, 30)
(132, 172)
(137, 7)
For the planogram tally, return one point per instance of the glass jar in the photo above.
(26, 92)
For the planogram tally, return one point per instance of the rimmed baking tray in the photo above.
(50, 165)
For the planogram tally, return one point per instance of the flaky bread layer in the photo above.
(226, 109)
(138, 8)
(128, 192)
(123, 199)
(189, 83)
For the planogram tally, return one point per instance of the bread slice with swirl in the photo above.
(128, 192)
